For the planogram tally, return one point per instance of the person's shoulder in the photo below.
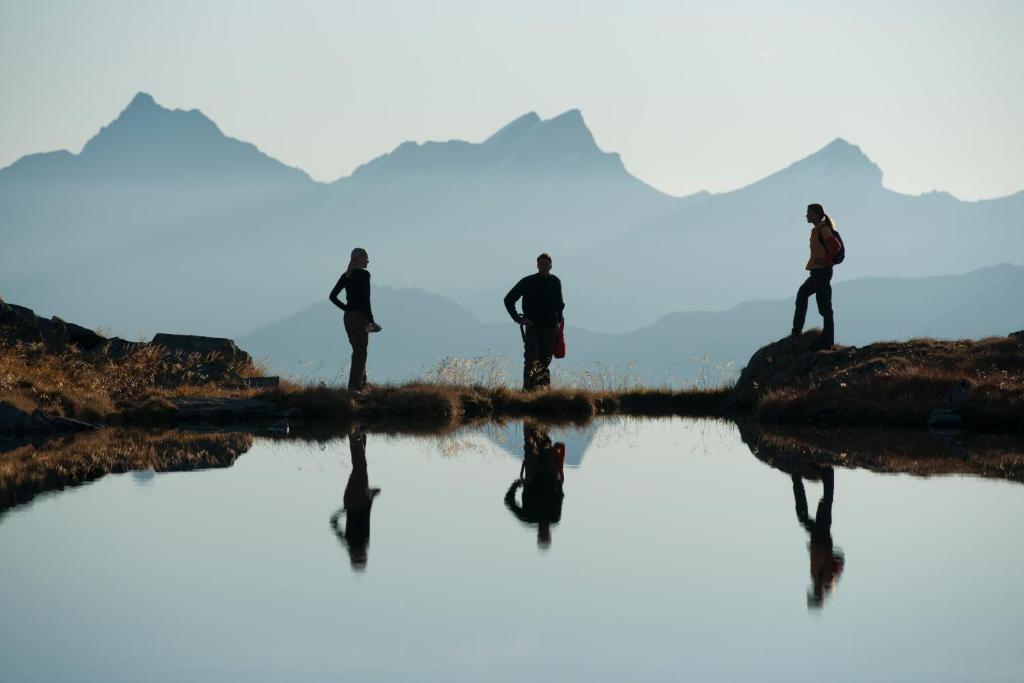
(361, 273)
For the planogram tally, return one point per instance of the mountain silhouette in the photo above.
(163, 222)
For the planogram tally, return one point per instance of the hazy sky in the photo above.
(693, 95)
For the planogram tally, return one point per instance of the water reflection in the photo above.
(827, 561)
(358, 501)
(540, 477)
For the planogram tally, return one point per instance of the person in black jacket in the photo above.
(359, 322)
(540, 478)
(358, 501)
(542, 312)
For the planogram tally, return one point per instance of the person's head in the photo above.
(544, 264)
(359, 259)
(815, 213)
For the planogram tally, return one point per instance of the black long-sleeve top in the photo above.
(357, 290)
(542, 300)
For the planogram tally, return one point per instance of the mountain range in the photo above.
(163, 222)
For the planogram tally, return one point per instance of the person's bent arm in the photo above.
(510, 301)
(512, 505)
(337, 290)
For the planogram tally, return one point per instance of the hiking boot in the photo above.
(822, 343)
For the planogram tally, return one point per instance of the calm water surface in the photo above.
(676, 554)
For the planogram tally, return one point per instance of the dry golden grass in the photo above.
(77, 385)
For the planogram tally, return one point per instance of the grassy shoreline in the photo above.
(977, 385)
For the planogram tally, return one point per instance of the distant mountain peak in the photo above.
(149, 140)
(142, 100)
(514, 130)
(838, 162)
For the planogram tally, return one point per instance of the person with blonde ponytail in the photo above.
(825, 245)
(359, 322)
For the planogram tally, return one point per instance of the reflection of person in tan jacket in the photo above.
(824, 246)
(827, 561)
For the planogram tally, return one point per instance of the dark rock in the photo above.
(82, 337)
(187, 344)
(14, 421)
(116, 348)
(202, 359)
(773, 366)
(227, 410)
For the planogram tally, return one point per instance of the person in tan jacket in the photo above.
(819, 280)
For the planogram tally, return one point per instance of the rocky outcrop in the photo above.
(187, 359)
(941, 384)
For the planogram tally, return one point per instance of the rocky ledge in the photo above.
(941, 384)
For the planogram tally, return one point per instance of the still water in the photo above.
(676, 554)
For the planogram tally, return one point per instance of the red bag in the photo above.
(560, 340)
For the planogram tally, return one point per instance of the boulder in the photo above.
(82, 337)
(188, 409)
(202, 359)
(20, 324)
(116, 348)
(187, 344)
(776, 365)
(14, 421)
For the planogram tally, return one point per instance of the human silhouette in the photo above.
(359, 322)
(542, 312)
(358, 501)
(826, 561)
(540, 478)
(824, 247)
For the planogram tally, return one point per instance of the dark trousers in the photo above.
(538, 347)
(359, 338)
(818, 283)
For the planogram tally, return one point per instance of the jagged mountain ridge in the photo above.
(163, 221)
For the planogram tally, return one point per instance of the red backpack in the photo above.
(560, 340)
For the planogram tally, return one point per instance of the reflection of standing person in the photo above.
(826, 561)
(358, 314)
(358, 501)
(824, 247)
(542, 311)
(540, 477)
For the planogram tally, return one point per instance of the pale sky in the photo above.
(693, 95)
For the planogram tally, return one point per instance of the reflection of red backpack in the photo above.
(560, 340)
